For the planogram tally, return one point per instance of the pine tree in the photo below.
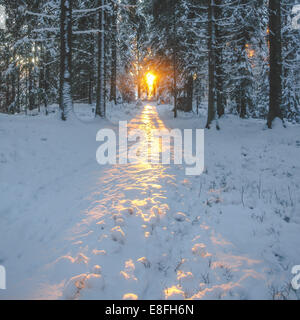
(290, 64)
(211, 114)
(113, 78)
(100, 93)
(66, 101)
(275, 62)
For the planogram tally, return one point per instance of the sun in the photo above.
(150, 79)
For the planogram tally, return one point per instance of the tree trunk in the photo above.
(18, 91)
(30, 87)
(218, 56)
(65, 100)
(138, 69)
(46, 81)
(13, 85)
(190, 92)
(211, 114)
(243, 100)
(100, 99)
(113, 80)
(275, 62)
(174, 60)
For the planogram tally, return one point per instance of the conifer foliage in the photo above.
(239, 56)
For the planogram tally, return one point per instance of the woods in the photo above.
(242, 57)
(149, 149)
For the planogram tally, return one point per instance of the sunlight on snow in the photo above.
(131, 210)
(174, 293)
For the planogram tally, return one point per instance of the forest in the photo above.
(149, 150)
(243, 56)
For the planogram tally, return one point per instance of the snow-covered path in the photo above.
(127, 231)
(150, 232)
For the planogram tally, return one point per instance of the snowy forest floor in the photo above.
(71, 229)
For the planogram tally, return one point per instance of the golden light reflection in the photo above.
(128, 273)
(150, 79)
(184, 275)
(136, 193)
(135, 189)
(250, 51)
(130, 296)
(174, 291)
(199, 249)
(133, 198)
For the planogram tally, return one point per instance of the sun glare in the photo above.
(150, 79)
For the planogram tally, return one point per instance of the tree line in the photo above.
(242, 56)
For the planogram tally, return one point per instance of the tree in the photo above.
(101, 90)
(275, 62)
(66, 101)
(290, 64)
(242, 55)
(173, 38)
(174, 4)
(211, 114)
(219, 35)
(113, 77)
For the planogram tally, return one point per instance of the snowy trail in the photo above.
(151, 232)
(128, 231)
(145, 236)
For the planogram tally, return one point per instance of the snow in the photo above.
(72, 229)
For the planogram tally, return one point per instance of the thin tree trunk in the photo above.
(90, 87)
(190, 93)
(65, 101)
(7, 95)
(211, 114)
(100, 99)
(98, 89)
(174, 60)
(13, 86)
(218, 56)
(30, 87)
(275, 62)
(113, 81)
(18, 90)
(138, 69)
(46, 81)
